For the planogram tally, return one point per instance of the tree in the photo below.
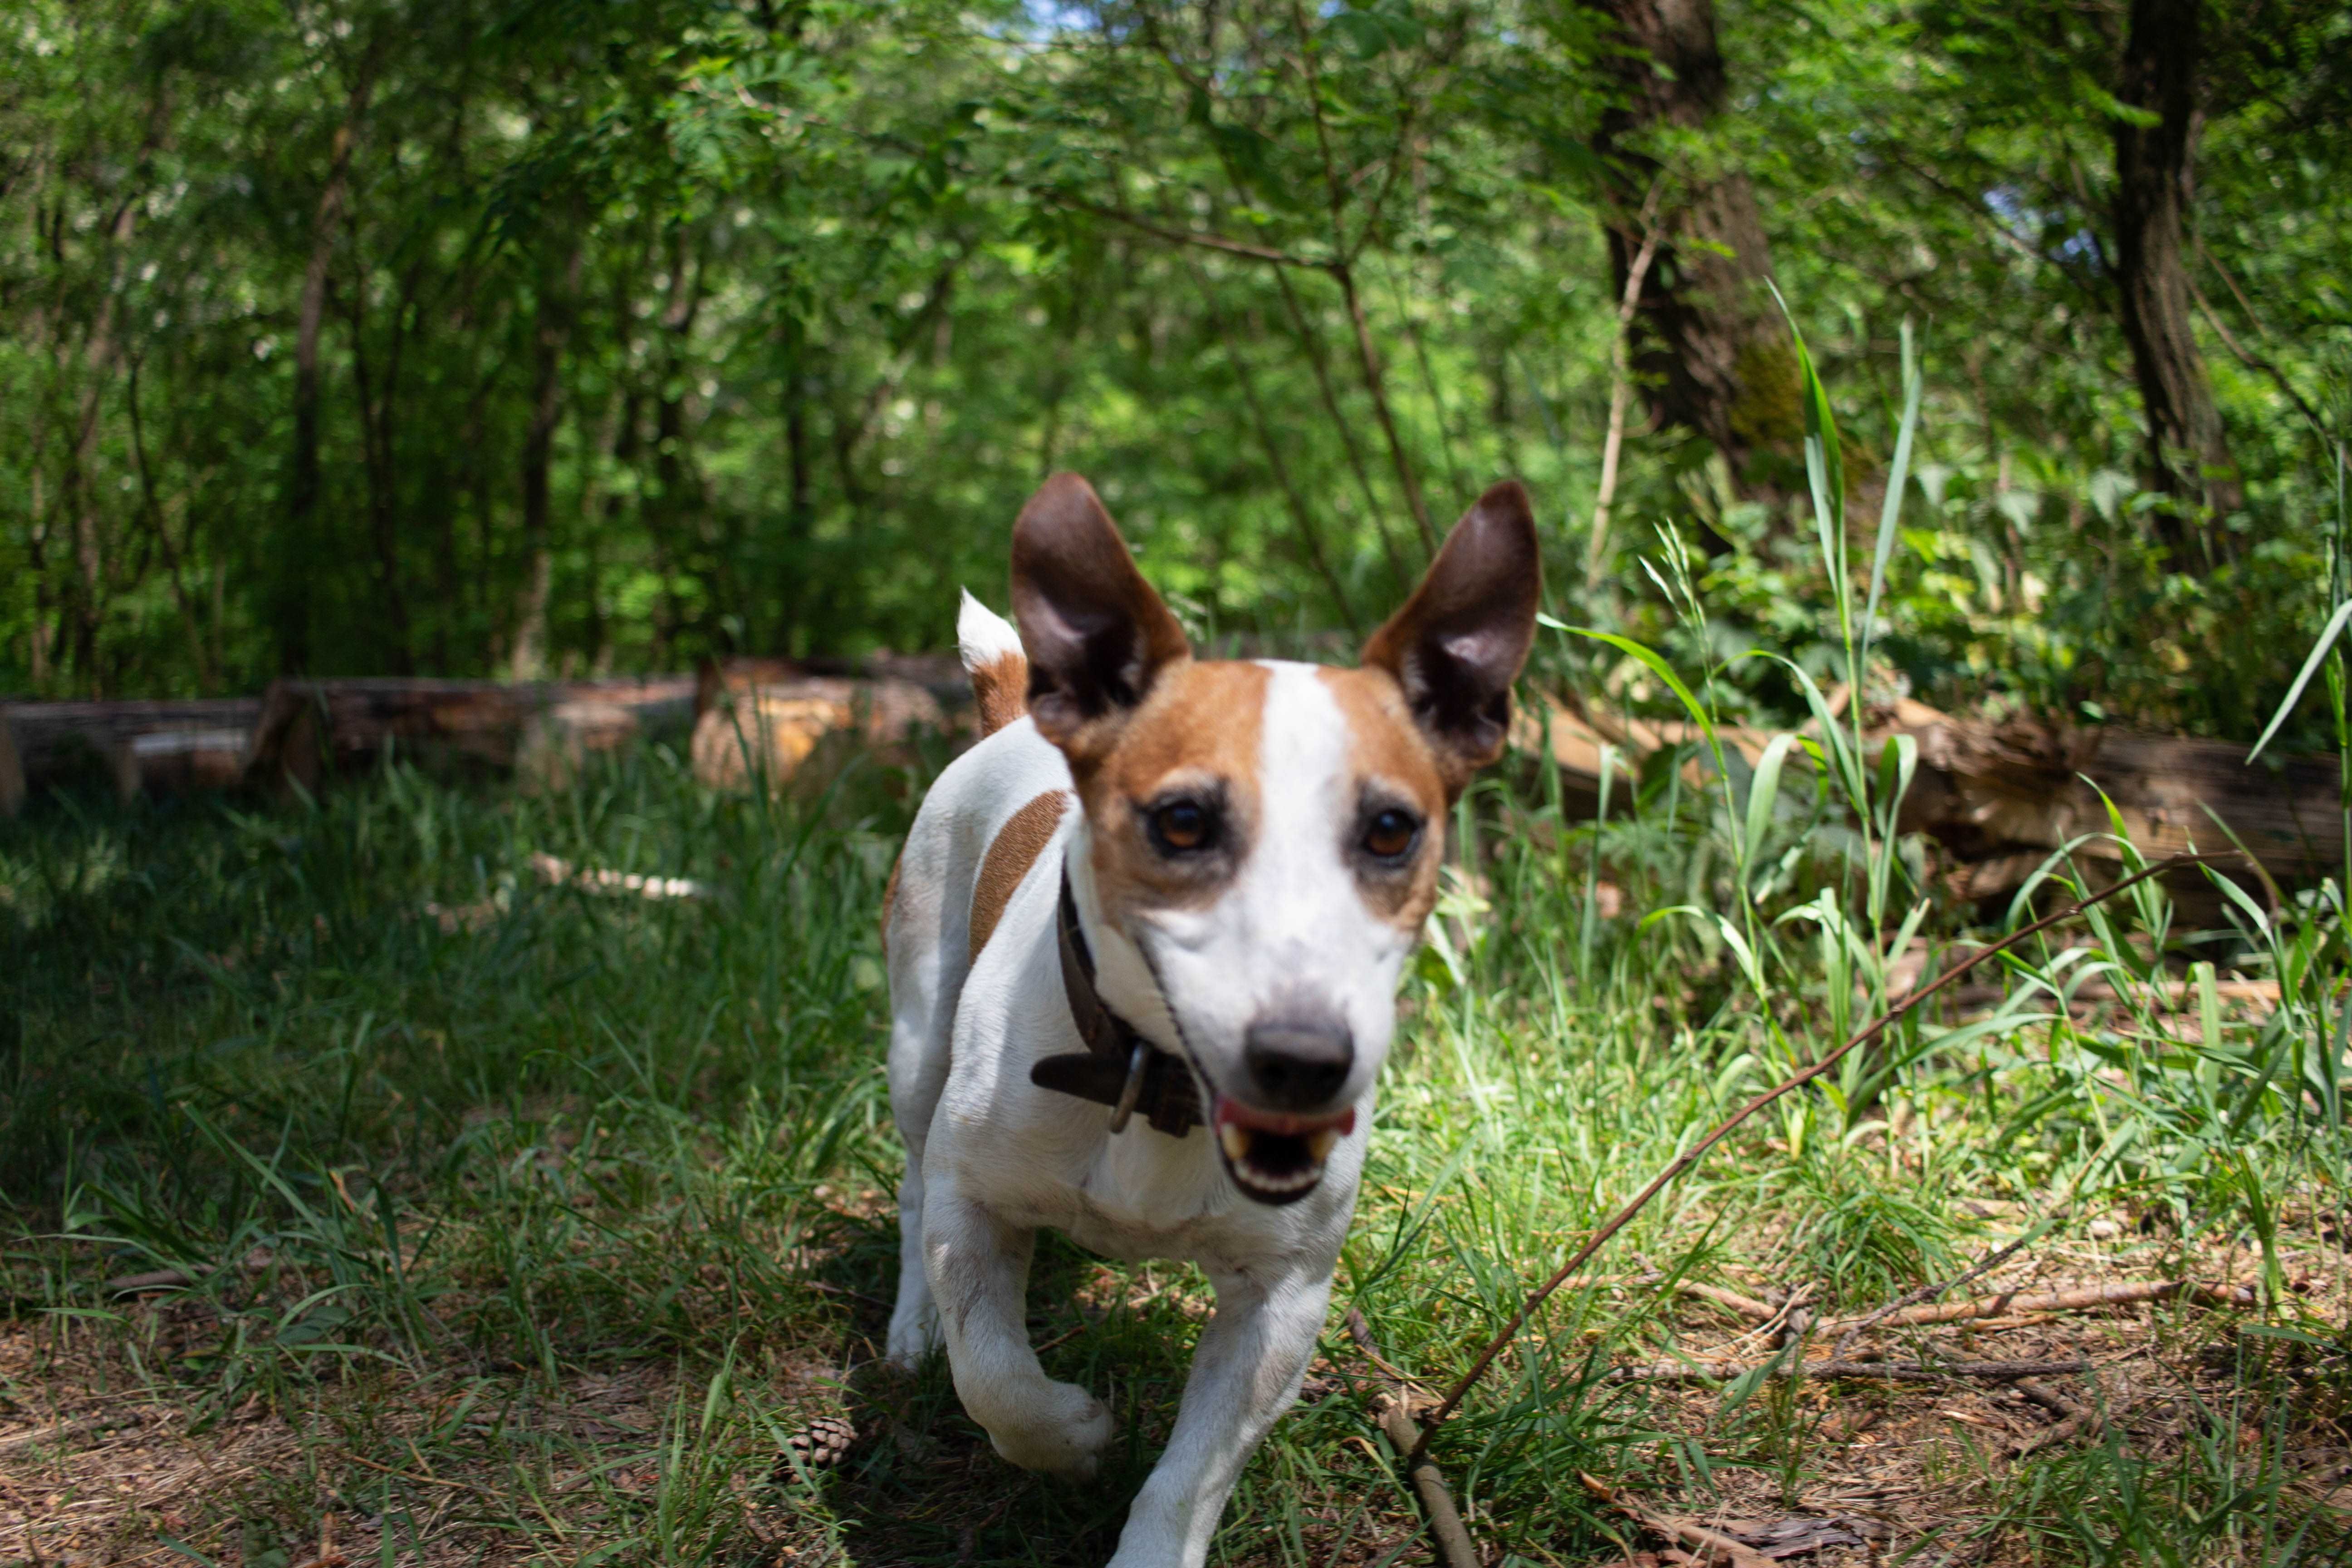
(1716, 357)
(2155, 126)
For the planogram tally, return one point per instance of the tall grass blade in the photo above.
(2328, 636)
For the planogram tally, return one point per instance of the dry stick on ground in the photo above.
(2014, 1302)
(1851, 1371)
(1722, 1129)
(1713, 1546)
(1925, 1293)
(2072, 1418)
(1445, 1526)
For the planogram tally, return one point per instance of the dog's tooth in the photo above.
(1236, 1142)
(1319, 1143)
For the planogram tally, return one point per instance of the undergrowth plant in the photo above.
(575, 1207)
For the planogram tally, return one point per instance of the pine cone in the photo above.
(824, 1441)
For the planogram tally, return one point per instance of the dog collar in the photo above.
(1119, 1068)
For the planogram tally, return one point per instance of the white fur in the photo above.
(991, 1157)
(984, 637)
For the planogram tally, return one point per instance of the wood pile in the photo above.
(1998, 797)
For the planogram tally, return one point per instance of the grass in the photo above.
(521, 1223)
(503, 1221)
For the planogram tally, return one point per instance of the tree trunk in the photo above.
(80, 492)
(673, 479)
(293, 597)
(1716, 359)
(551, 332)
(378, 409)
(2187, 452)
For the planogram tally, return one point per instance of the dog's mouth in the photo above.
(1272, 1158)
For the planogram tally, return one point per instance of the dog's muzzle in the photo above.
(1298, 1060)
(1275, 1158)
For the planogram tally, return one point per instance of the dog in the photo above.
(1184, 890)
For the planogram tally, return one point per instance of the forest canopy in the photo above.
(464, 337)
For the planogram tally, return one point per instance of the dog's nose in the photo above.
(1298, 1064)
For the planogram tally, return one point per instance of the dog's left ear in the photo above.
(1097, 635)
(1458, 643)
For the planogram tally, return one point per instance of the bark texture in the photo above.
(550, 336)
(293, 607)
(1714, 356)
(2187, 451)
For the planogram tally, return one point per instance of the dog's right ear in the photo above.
(1097, 635)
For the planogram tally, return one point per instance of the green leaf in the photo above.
(2294, 693)
(1889, 515)
(1657, 666)
(1763, 790)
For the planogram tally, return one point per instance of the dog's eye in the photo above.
(1390, 834)
(1180, 826)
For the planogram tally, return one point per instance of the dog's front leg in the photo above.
(1245, 1373)
(979, 1268)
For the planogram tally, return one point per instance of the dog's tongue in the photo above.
(1239, 1115)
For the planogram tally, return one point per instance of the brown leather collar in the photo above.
(1119, 1068)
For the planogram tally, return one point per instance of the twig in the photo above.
(2051, 1301)
(1446, 1530)
(1747, 1307)
(1620, 382)
(153, 1280)
(483, 1492)
(2072, 1418)
(1852, 1370)
(66, 1431)
(1927, 1293)
(1191, 237)
(1714, 1545)
(1788, 1085)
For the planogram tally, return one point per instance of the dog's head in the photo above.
(1266, 836)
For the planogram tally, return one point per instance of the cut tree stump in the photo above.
(794, 727)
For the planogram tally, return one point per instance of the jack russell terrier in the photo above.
(1184, 890)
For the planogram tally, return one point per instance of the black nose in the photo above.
(1298, 1064)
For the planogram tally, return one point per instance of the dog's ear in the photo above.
(1458, 643)
(1097, 635)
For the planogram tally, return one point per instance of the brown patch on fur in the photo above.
(1200, 726)
(1018, 844)
(1385, 747)
(1001, 686)
(891, 896)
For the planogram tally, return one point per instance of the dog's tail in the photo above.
(992, 657)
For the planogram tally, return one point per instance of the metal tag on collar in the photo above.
(1132, 1091)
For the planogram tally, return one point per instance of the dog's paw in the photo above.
(911, 1339)
(1065, 1436)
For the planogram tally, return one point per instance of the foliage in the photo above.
(642, 331)
(423, 1134)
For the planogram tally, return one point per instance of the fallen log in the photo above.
(160, 747)
(309, 730)
(1999, 798)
